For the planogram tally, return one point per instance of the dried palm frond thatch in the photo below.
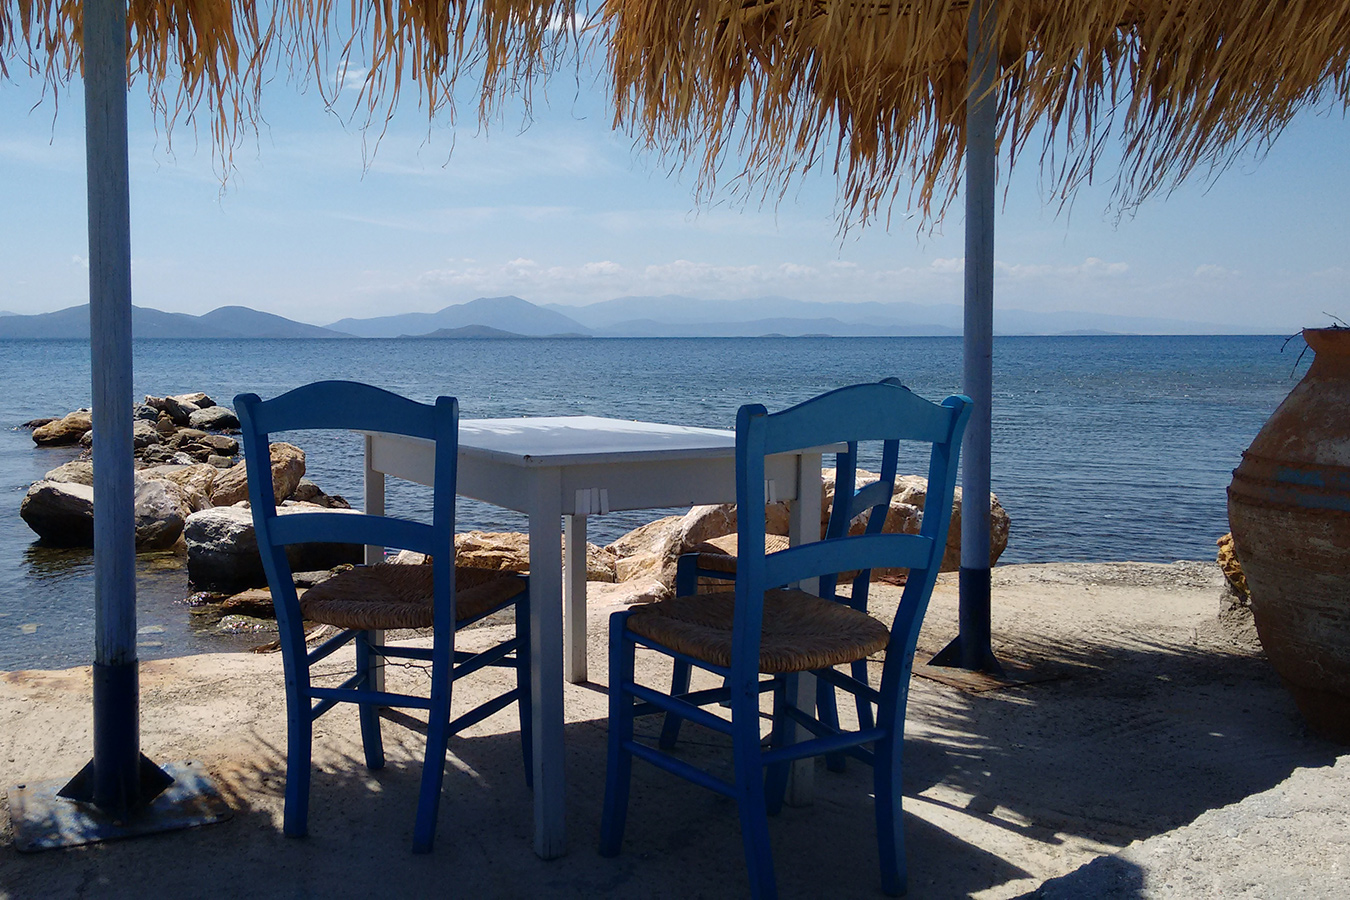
(221, 52)
(878, 87)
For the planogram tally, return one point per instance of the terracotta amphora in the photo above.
(1289, 506)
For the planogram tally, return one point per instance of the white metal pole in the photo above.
(972, 650)
(116, 767)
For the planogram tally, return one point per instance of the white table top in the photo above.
(578, 440)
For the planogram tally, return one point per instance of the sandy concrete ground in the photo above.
(1159, 736)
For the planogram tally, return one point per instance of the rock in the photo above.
(143, 434)
(199, 399)
(288, 467)
(219, 462)
(254, 602)
(180, 411)
(222, 549)
(627, 593)
(162, 454)
(905, 516)
(309, 492)
(222, 444)
(409, 558)
(64, 431)
(507, 551)
(38, 423)
(647, 551)
(87, 439)
(214, 418)
(147, 413)
(195, 480)
(704, 522)
(62, 513)
(184, 436)
(161, 509)
(164, 425)
(235, 624)
(77, 471)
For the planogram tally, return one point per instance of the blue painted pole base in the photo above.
(118, 780)
(972, 649)
(45, 819)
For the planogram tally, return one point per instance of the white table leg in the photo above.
(804, 527)
(574, 598)
(373, 504)
(546, 671)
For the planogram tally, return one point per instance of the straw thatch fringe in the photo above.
(220, 52)
(879, 88)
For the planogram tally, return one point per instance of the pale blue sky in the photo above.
(566, 211)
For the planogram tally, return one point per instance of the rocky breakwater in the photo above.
(188, 480)
(640, 565)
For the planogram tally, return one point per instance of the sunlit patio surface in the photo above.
(1147, 721)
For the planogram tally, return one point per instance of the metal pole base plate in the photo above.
(45, 820)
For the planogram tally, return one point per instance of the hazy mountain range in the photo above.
(227, 322)
(665, 316)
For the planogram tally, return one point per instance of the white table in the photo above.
(567, 468)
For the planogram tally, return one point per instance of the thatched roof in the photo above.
(878, 87)
(221, 52)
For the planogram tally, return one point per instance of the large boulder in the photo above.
(288, 467)
(195, 480)
(180, 410)
(905, 516)
(162, 507)
(222, 549)
(651, 551)
(77, 471)
(64, 431)
(62, 513)
(508, 551)
(213, 418)
(143, 434)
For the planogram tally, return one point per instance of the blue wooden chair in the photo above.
(717, 560)
(765, 627)
(369, 599)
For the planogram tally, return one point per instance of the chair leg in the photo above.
(776, 776)
(827, 710)
(438, 735)
(890, 821)
(750, 793)
(679, 684)
(619, 762)
(865, 719)
(524, 699)
(371, 741)
(299, 734)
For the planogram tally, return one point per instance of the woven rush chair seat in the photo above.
(390, 595)
(801, 632)
(719, 553)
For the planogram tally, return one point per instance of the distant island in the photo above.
(486, 333)
(668, 316)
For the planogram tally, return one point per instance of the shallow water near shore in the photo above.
(1105, 447)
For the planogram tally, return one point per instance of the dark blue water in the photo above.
(1105, 448)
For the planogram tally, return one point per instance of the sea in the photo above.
(1105, 447)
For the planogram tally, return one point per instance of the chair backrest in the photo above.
(850, 502)
(884, 411)
(348, 406)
